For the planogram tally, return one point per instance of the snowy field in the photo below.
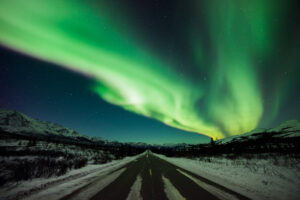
(46, 188)
(24, 160)
(93, 155)
(256, 178)
(259, 177)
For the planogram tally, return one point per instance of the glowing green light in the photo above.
(77, 36)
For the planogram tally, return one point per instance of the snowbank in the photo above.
(254, 178)
(70, 180)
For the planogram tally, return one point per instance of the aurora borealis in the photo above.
(217, 68)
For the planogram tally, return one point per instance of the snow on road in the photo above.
(170, 190)
(135, 192)
(222, 195)
(53, 186)
(254, 178)
(93, 187)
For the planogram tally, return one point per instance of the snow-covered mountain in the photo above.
(21, 124)
(17, 123)
(286, 129)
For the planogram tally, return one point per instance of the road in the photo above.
(152, 178)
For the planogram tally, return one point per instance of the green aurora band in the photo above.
(90, 38)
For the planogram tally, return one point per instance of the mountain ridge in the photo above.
(290, 128)
(14, 122)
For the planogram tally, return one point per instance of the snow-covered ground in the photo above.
(20, 160)
(255, 178)
(93, 155)
(287, 129)
(46, 188)
(16, 122)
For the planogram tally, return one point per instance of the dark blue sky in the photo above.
(229, 69)
(49, 93)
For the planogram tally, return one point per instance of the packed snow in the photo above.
(171, 191)
(255, 178)
(16, 122)
(286, 129)
(47, 188)
(135, 191)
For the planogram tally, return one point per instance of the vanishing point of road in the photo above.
(152, 178)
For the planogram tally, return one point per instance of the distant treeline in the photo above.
(264, 143)
(118, 149)
(28, 156)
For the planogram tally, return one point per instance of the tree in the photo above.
(212, 142)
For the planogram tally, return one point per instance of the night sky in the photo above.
(155, 71)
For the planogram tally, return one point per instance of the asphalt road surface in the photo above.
(151, 178)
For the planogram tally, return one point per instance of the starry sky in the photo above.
(156, 71)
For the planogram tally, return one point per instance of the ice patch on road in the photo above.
(171, 192)
(135, 192)
(222, 195)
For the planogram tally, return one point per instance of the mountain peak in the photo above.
(18, 123)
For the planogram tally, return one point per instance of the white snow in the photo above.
(289, 128)
(254, 178)
(16, 122)
(222, 195)
(242, 137)
(98, 182)
(72, 180)
(170, 190)
(95, 184)
(135, 191)
(93, 155)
